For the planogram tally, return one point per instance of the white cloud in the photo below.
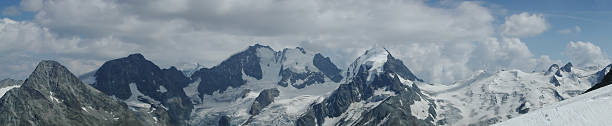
(25, 43)
(439, 43)
(445, 63)
(524, 24)
(586, 54)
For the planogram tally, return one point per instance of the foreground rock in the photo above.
(52, 96)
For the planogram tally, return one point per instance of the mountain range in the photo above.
(292, 86)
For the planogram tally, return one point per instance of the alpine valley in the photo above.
(293, 86)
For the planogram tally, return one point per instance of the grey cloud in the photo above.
(31, 5)
(437, 42)
(11, 11)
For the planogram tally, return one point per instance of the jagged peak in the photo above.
(257, 46)
(375, 60)
(136, 56)
(553, 68)
(567, 67)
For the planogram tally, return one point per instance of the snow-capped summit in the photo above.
(372, 60)
(261, 86)
(377, 60)
(378, 89)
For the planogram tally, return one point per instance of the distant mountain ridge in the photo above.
(295, 86)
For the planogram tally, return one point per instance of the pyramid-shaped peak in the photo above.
(48, 65)
(47, 70)
(378, 60)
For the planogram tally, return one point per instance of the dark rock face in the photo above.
(265, 98)
(328, 68)
(396, 108)
(601, 74)
(522, 109)
(555, 81)
(229, 72)
(397, 66)
(224, 121)
(551, 69)
(53, 96)
(309, 78)
(166, 85)
(607, 80)
(567, 67)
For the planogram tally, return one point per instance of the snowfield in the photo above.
(590, 109)
(488, 98)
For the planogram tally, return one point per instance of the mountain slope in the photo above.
(589, 109)
(489, 98)
(145, 87)
(380, 90)
(53, 96)
(607, 80)
(229, 92)
(8, 84)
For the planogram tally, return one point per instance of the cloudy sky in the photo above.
(441, 41)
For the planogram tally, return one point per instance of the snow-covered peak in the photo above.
(298, 60)
(372, 61)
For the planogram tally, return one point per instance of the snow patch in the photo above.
(53, 98)
(6, 89)
(133, 101)
(192, 91)
(420, 109)
(162, 89)
(384, 92)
